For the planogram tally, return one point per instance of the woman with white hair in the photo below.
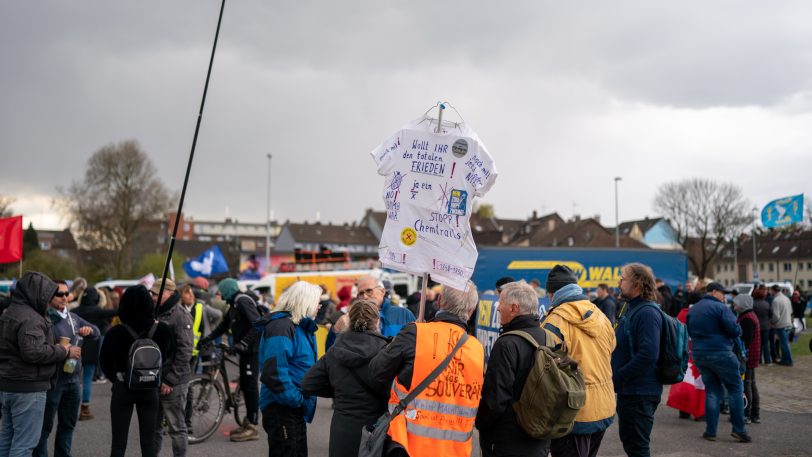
(287, 349)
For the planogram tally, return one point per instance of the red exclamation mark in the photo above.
(453, 166)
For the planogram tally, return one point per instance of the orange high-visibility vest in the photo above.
(439, 422)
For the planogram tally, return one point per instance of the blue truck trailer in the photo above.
(593, 266)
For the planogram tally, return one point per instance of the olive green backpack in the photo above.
(553, 393)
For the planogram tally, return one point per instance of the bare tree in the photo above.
(118, 195)
(705, 215)
(5, 206)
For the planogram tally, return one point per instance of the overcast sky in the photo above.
(565, 95)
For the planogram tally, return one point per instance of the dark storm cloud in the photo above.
(318, 85)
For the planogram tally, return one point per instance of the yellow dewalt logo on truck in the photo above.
(587, 277)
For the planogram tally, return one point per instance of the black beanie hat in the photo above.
(504, 280)
(560, 276)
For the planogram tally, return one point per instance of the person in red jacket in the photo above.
(751, 337)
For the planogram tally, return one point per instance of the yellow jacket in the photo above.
(590, 340)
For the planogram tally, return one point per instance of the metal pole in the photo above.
(191, 158)
(755, 255)
(424, 289)
(617, 218)
(735, 260)
(268, 222)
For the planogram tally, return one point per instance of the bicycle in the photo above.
(210, 397)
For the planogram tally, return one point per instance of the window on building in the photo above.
(761, 266)
(800, 266)
(718, 268)
(771, 267)
(809, 265)
(787, 266)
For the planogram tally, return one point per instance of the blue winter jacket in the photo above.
(62, 327)
(393, 318)
(712, 326)
(286, 352)
(634, 369)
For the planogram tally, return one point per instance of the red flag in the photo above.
(11, 239)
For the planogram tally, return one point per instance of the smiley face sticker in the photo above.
(408, 236)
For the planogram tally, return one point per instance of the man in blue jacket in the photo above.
(64, 398)
(393, 318)
(713, 330)
(634, 360)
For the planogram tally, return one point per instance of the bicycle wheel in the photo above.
(207, 404)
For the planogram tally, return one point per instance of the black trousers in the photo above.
(635, 414)
(287, 432)
(753, 408)
(122, 403)
(249, 384)
(577, 445)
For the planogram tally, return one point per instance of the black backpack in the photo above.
(144, 361)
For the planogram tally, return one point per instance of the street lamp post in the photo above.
(268, 221)
(755, 259)
(617, 219)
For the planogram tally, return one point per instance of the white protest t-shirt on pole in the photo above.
(431, 180)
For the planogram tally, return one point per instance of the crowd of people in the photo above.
(53, 337)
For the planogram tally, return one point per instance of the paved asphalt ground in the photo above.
(786, 428)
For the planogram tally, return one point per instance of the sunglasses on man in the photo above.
(61, 294)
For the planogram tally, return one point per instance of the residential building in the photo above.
(656, 233)
(575, 233)
(780, 256)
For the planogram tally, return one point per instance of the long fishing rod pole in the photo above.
(191, 158)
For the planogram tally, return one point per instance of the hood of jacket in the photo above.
(136, 308)
(582, 313)
(90, 297)
(354, 349)
(35, 290)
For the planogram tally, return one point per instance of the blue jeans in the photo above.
(765, 346)
(718, 369)
(783, 341)
(22, 422)
(63, 402)
(87, 382)
(635, 414)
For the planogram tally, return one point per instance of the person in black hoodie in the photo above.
(90, 311)
(137, 311)
(343, 374)
(508, 366)
(29, 360)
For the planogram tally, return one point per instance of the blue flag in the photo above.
(784, 211)
(209, 263)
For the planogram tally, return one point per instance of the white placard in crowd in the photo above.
(431, 180)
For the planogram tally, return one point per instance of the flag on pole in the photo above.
(209, 263)
(11, 239)
(784, 211)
